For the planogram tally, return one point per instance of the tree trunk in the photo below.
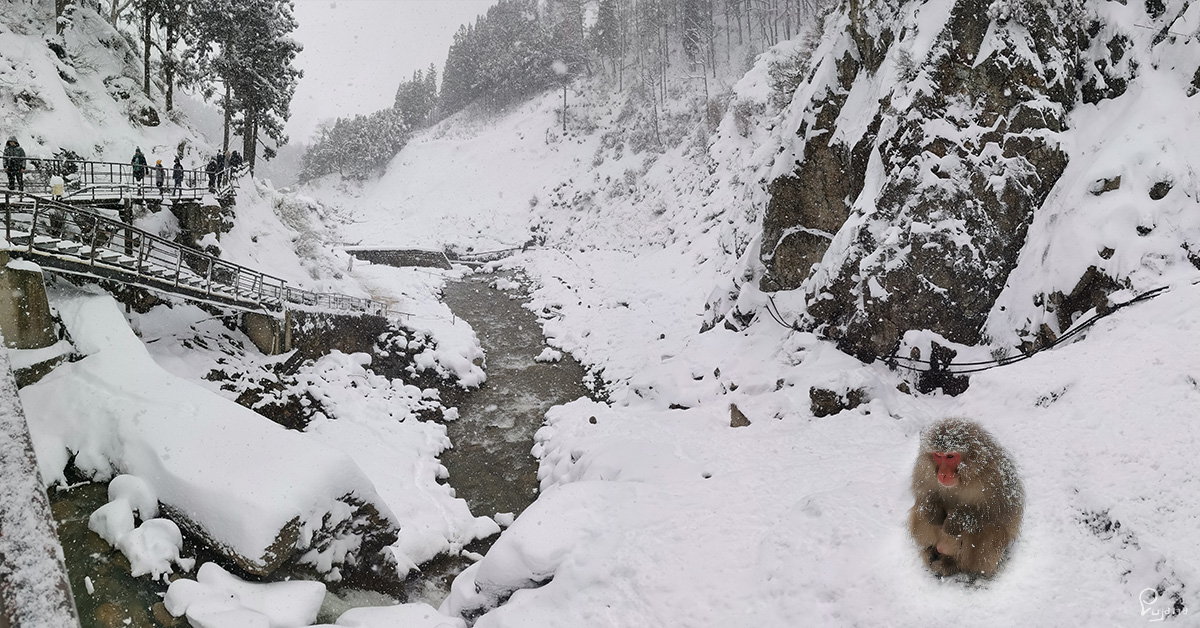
(169, 68)
(228, 116)
(146, 24)
(60, 7)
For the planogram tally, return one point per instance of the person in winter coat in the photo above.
(57, 187)
(139, 166)
(211, 169)
(235, 161)
(177, 174)
(160, 176)
(14, 164)
(222, 162)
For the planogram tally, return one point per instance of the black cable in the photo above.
(984, 365)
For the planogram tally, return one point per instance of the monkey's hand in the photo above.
(940, 564)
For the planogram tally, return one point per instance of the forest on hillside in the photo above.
(522, 47)
(239, 52)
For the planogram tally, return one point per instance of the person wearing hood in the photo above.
(177, 175)
(139, 166)
(211, 169)
(14, 164)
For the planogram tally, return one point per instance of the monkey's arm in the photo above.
(932, 510)
(962, 520)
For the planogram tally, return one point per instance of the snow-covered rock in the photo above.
(253, 489)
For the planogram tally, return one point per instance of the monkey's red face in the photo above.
(947, 467)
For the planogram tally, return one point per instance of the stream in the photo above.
(490, 467)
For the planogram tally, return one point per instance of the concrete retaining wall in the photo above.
(313, 334)
(34, 590)
(24, 311)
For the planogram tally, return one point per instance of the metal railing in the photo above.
(87, 180)
(86, 240)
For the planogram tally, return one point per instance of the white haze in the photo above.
(356, 52)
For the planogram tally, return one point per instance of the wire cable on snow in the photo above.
(984, 365)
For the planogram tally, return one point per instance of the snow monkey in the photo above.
(969, 499)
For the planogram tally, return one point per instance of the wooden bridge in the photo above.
(90, 241)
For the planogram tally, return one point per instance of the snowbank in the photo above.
(217, 599)
(237, 477)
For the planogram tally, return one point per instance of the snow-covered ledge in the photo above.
(34, 590)
(250, 489)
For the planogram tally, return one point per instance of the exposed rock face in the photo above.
(827, 402)
(199, 220)
(360, 527)
(917, 171)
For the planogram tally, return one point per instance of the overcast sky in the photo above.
(356, 52)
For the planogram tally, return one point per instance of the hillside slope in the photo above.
(963, 155)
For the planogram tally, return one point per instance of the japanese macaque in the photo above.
(969, 500)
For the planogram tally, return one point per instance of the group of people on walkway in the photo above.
(220, 169)
(160, 174)
(216, 170)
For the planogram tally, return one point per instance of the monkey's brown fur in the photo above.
(965, 528)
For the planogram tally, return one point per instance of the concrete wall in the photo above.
(402, 257)
(268, 333)
(313, 334)
(24, 312)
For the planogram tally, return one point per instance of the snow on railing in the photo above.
(82, 240)
(88, 180)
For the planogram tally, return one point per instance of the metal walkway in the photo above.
(106, 183)
(88, 241)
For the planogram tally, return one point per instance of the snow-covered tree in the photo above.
(248, 46)
(416, 98)
(357, 147)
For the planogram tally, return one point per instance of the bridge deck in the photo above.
(90, 242)
(105, 183)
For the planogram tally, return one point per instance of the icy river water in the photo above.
(490, 466)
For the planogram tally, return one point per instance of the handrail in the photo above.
(88, 237)
(82, 175)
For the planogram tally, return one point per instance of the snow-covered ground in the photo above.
(654, 510)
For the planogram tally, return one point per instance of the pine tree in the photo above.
(173, 17)
(416, 98)
(144, 13)
(606, 32)
(265, 80)
(248, 44)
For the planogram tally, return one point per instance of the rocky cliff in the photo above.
(928, 139)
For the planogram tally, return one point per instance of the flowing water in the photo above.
(490, 467)
(105, 594)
